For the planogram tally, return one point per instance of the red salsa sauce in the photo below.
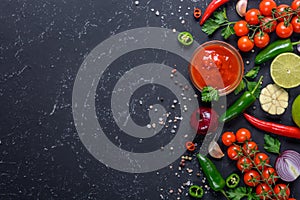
(215, 66)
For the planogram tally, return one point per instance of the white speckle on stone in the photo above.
(152, 9)
(157, 13)
(136, 3)
(183, 21)
(148, 125)
(174, 30)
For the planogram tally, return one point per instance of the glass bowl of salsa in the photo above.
(216, 64)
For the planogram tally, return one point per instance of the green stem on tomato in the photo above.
(261, 174)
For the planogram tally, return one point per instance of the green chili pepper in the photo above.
(232, 180)
(240, 105)
(214, 177)
(185, 38)
(274, 49)
(196, 191)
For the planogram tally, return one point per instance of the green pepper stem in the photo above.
(257, 85)
(295, 43)
(224, 193)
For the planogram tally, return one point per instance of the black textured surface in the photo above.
(42, 45)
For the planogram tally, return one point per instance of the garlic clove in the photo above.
(241, 7)
(214, 150)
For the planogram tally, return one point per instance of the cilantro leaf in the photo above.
(241, 192)
(237, 193)
(210, 94)
(210, 26)
(227, 32)
(220, 16)
(271, 145)
(251, 86)
(240, 87)
(253, 72)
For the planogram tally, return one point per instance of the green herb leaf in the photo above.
(210, 26)
(253, 72)
(251, 86)
(241, 192)
(220, 16)
(237, 193)
(227, 32)
(210, 94)
(240, 87)
(271, 145)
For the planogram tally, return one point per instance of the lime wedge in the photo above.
(296, 110)
(285, 70)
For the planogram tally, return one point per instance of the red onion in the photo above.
(288, 165)
(298, 48)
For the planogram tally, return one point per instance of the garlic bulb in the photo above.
(274, 99)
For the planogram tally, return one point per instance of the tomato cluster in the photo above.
(254, 30)
(255, 165)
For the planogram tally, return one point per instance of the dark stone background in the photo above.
(42, 45)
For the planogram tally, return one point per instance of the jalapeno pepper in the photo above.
(214, 177)
(232, 180)
(274, 49)
(240, 105)
(185, 38)
(196, 191)
(214, 5)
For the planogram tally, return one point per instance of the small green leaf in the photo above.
(251, 86)
(227, 32)
(253, 72)
(240, 87)
(210, 26)
(210, 94)
(271, 145)
(220, 17)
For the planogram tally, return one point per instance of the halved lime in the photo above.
(285, 70)
(296, 110)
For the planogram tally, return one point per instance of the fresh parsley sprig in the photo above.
(219, 20)
(241, 192)
(209, 94)
(271, 145)
(252, 74)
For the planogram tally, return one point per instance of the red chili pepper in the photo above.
(278, 129)
(190, 146)
(214, 5)
(197, 13)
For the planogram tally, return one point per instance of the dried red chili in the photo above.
(190, 146)
(197, 13)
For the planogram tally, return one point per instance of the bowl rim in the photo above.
(223, 91)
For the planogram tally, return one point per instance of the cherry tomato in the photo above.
(252, 16)
(292, 199)
(296, 6)
(244, 164)
(268, 25)
(261, 160)
(250, 148)
(261, 39)
(251, 178)
(270, 175)
(263, 191)
(282, 12)
(228, 138)
(234, 152)
(243, 135)
(245, 44)
(296, 24)
(241, 28)
(266, 7)
(284, 31)
(282, 191)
